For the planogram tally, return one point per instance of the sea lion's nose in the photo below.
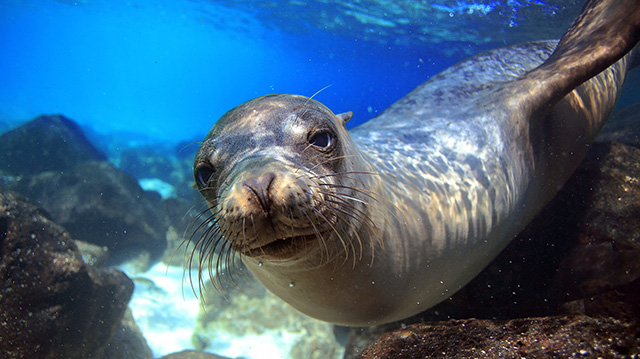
(259, 187)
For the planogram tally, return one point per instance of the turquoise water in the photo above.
(166, 70)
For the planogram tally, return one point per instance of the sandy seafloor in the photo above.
(166, 310)
(145, 72)
(167, 323)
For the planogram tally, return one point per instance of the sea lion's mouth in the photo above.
(286, 247)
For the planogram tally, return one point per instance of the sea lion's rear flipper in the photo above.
(603, 33)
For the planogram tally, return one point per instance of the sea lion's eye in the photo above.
(321, 140)
(202, 175)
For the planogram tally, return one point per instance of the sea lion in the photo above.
(378, 224)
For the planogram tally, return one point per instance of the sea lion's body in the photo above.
(424, 196)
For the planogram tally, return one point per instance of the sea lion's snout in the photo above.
(259, 188)
(271, 204)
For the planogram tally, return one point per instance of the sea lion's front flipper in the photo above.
(603, 33)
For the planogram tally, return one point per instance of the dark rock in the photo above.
(605, 325)
(607, 249)
(47, 143)
(579, 256)
(550, 337)
(99, 204)
(186, 229)
(52, 304)
(622, 303)
(147, 162)
(623, 127)
(128, 342)
(95, 256)
(192, 354)
(162, 162)
(360, 338)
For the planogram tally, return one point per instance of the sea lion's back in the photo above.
(458, 92)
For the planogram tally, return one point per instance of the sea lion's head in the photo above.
(282, 180)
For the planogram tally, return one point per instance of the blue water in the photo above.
(166, 70)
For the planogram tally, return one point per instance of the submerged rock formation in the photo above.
(99, 204)
(53, 305)
(46, 143)
(546, 337)
(51, 161)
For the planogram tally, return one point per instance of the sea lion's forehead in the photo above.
(265, 122)
(267, 113)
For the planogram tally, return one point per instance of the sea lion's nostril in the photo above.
(259, 186)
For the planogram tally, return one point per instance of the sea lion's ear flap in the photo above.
(345, 116)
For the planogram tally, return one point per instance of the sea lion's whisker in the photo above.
(253, 223)
(304, 106)
(344, 243)
(209, 239)
(233, 251)
(201, 202)
(344, 199)
(188, 256)
(209, 214)
(293, 230)
(344, 195)
(244, 232)
(328, 160)
(302, 152)
(352, 228)
(343, 174)
(374, 196)
(312, 168)
(339, 201)
(231, 269)
(209, 222)
(371, 194)
(207, 225)
(362, 217)
(207, 248)
(318, 236)
(355, 258)
(223, 268)
(316, 94)
(189, 144)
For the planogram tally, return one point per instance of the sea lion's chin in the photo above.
(285, 248)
